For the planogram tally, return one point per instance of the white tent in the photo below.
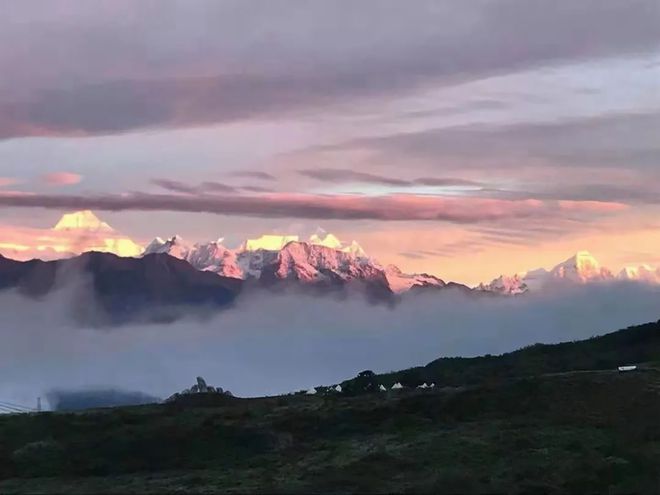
(311, 391)
(338, 388)
(381, 388)
(397, 386)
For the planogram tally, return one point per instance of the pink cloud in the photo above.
(593, 206)
(61, 178)
(462, 210)
(7, 181)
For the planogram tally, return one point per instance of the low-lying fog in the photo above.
(270, 344)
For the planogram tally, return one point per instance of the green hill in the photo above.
(537, 424)
(635, 345)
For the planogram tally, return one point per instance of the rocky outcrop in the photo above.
(200, 387)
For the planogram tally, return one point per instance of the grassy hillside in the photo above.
(640, 344)
(570, 431)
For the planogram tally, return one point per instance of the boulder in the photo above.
(201, 385)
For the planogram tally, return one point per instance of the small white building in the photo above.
(311, 391)
(338, 388)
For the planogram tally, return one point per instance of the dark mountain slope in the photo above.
(634, 345)
(123, 287)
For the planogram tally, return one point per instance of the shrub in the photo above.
(42, 458)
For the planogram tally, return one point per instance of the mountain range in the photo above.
(582, 268)
(322, 259)
(174, 272)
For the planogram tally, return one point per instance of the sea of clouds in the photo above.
(274, 343)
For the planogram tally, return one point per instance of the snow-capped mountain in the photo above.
(174, 246)
(308, 262)
(82, 231)
(582, 268)
(82, 220)
(323, 258)
(400, 282)
(642, 273)
(272, 242)
(511, 285)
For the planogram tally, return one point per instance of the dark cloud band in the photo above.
(343, 207)
(67, 74)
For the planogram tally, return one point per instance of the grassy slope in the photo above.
(568, 432)
(640, 344)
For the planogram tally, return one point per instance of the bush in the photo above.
(41, 458)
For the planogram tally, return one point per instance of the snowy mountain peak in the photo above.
(642, 273)
(355, 249)
(81, 231)
(324, 258)
(174, 246)
(268, 242)
(511, 285)
(82, 220)
(155, 246)
(582, 260)
(312, 262)
(274, 242)
(401, 282)
(581, 267)
(323, 238)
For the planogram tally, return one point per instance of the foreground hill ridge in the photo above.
(635, 345)
(529, 428)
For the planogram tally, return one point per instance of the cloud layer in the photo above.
(61, 178)
(286, 346)
(343, 176)
(341, 207)
(120, 66)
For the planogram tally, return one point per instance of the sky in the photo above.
(461, 139)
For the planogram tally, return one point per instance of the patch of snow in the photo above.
(642, 273)
(401, 282)
(82, 220)
(582, 268)
(268, 242)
